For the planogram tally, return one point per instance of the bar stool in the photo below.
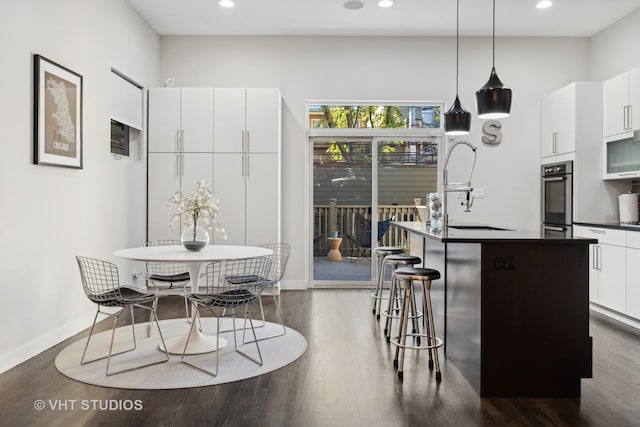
(381, 252)
(425, 275)
(395, 293)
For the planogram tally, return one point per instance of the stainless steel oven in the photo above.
(557, 199)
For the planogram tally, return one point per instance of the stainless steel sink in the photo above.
(476, 227)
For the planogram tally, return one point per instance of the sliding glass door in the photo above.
(359, 186)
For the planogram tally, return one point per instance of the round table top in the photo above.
(178, 253)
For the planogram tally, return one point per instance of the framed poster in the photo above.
(57, 115)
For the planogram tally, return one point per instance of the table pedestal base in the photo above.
(198, 344)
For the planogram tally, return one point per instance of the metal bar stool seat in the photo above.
(408, 275)
(395, 293)
(381, 252)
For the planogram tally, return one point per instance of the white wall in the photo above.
(51, 214)
(339, 68)
(615, 49)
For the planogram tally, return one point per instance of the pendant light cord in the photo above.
(457, 41)
(493, 53)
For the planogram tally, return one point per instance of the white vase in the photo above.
(195, 239)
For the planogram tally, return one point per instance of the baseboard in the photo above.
(37, 345)
(293, 285)
(615, 315)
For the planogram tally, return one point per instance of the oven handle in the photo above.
(554, 228)
(556, 178)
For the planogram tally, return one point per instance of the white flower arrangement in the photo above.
(199, 208)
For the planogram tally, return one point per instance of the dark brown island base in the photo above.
(512, 307)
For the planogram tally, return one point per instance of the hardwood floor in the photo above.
(345, 378)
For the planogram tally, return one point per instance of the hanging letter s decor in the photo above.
(491, 133)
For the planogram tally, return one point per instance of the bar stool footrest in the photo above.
(396, 341)
(418, 315)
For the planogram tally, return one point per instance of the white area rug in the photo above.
(276, 353)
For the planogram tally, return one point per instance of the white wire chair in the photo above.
(279, 259)
(101, 285)
(231, 285)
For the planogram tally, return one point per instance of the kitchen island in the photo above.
(512, 307)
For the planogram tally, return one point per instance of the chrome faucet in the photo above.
(456, 187)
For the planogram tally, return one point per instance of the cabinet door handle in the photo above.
(243, 143)
(599, 257)
(627, 174)
(248, 142)
(243, 164)
(248, 169)
(177, 140)
(553, 142)
(177, 165)
(594, 254)
(629, 117)
(182, 140)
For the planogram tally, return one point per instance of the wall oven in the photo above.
(557, 199)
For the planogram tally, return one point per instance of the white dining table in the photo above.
(195, 262)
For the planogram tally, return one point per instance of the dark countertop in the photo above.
(614, 225)
(478, 236)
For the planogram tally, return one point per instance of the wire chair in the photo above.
(101, 284)
(279, 258)
(231, 285)
(168, 273)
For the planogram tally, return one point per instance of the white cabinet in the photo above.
(227, 137)
(621, 105)
(246, 186)
(247, 120)
(607, 272)
(633, 274)
(569, 117)
(180, 120)
(558, 122)
(169, 173)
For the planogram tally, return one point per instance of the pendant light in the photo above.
(493, 100)
(457, 121)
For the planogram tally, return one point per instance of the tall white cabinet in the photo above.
(240, 157)
(180, 151)
(247, 135)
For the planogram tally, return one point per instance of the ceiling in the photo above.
(566, 18)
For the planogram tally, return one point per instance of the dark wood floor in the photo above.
(345, 378)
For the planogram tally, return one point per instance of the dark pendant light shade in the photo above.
(493, 100)
(457, 121)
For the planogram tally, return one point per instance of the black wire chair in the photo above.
(361, 236)
(101, 284)
(231, 285)
(167, 277)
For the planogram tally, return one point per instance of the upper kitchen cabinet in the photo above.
(180, 120)
(247, 120)
(621, 105)
(569, 117)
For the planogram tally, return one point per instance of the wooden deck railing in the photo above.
(342, 218)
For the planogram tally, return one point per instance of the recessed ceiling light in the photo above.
(353, 4)
(543, 4)
(226, 3)
(385, 3)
